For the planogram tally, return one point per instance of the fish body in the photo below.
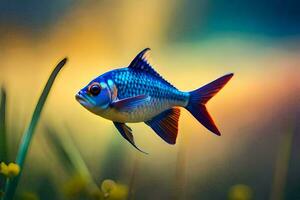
(130, 83)
(137, 93)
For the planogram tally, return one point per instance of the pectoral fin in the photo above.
(130, 103)
(126, 132)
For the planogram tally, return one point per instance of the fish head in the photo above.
(95, 96)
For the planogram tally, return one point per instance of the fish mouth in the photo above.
(80, 98)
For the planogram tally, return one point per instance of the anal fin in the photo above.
(166, 124)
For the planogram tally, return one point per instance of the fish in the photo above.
(138, 93)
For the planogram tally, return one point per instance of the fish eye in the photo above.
(94, 89)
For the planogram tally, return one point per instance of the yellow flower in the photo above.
(107, 186)
(120, 192)
(13, 169)
(75, 186)
(10, 170)
(3, 168)
(240, 192)
(114, 191)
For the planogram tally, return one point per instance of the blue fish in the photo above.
(137, 93)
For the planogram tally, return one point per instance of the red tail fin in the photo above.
(198, 99)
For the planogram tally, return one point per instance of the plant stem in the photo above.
(3, 141)
(76, 159)
(28, 134)
(134, 172)
(180, 176)
(66, 145)
(281, 166)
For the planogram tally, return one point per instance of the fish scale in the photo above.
(130, 83)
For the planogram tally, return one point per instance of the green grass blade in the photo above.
(70, 156)
(55, 144)
(3, 141)
(28, 134)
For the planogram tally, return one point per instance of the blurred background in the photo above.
(193, 42)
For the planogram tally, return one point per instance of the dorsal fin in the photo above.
(140, 62)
